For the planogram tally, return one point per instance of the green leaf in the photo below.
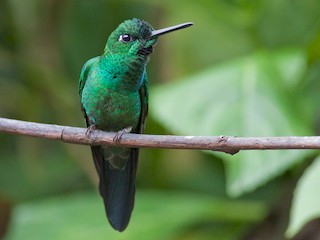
(157, 215)
(251, 96)
(305, 205)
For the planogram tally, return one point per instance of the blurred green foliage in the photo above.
(305, 206)
(251, 96)
(42, 220)
(247, 68)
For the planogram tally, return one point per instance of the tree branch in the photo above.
(227, 144)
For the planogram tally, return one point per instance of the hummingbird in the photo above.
(113, 91)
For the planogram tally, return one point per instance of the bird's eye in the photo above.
(125, 38)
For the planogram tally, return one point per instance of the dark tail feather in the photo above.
(117, 188)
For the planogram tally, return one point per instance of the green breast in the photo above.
(109, 89)
(108, 108)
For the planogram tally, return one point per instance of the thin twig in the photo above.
(227, 144)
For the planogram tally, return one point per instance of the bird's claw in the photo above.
(119, 134)
(90, 130)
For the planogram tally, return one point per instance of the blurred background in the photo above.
(246, 68)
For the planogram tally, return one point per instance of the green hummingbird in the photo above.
(113, 90)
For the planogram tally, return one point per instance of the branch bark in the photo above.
(227, 144)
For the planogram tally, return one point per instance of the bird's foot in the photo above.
(90, 130)
(119, 134)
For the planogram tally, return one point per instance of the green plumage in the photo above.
(114, 95)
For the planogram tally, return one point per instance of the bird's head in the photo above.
(136, 37)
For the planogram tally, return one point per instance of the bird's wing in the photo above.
(144, 102)
(84, 73)
(82, 81)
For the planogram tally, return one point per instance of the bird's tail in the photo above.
(117, 187)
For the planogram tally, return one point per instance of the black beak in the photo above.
(155, 33)
(159, 32)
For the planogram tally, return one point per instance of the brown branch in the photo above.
(227, 144)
